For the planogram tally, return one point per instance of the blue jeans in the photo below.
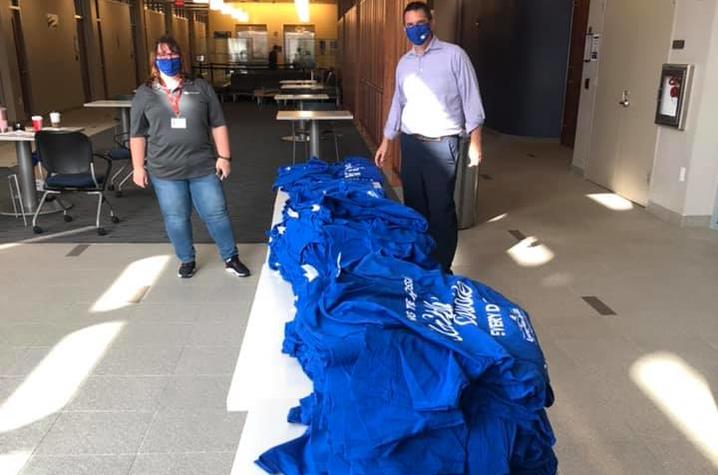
(428, 176)
(176, 198)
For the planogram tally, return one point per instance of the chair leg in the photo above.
(109, 205)
(117, 173)
(37, 212)
(100, 198)
(16, 196)
(124, 180)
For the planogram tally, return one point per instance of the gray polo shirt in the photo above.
(177, 153)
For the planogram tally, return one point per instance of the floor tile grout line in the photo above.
(37, 446)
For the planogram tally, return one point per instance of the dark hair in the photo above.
(175, 48)
(419, 6)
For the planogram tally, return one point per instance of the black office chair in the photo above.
(70, 165)
(120, 153)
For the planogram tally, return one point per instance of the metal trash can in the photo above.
(466, 190)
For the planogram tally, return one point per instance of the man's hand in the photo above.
(139, 176)
(380, 157)
(475, 151)
(224, 168)
(475, 155)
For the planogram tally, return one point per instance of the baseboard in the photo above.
(676, 218)
(578, 171)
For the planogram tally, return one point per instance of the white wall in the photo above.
(674, 150)
(703, 167)
(696, 148)
(587, 104)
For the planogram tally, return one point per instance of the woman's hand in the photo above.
(139, 176)
(224, 168)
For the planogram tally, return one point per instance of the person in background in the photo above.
(174, 120)
(436, 101)
(274, 57)
(297, 60)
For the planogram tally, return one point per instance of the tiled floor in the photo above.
(93, 385)
(149, 381)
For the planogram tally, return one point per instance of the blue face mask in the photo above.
(418, 34)
(169, 67)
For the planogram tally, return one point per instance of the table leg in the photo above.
(26, 175)
(302, 125)
(125, 116)
(314, 139)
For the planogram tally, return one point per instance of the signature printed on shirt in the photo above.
(447, 318)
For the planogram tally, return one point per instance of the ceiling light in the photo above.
(215, 4)
(302, 7)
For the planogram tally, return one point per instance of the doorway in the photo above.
(636, 39)
(81, 49)
(579, 25)
(22, 63)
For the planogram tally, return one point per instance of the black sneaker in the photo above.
(186, 270)
(235, 266)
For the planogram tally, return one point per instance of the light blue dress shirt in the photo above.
(436, 94)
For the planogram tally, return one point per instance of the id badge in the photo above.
(179, 123)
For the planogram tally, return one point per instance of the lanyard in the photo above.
(174, 98)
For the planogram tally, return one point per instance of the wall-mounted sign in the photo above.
(592, 47)
(222, 34)
(53, 21)
(673, 95)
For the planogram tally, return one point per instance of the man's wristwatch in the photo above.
(229, 159)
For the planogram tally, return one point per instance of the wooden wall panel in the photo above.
(371, 42)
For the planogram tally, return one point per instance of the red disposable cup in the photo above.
(37, 123)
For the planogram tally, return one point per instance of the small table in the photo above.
(123, 106)
(314, 117)
(23, 148)
(300, 98)
(299, 81)
(302, 87)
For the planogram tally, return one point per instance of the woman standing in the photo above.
(174, 120)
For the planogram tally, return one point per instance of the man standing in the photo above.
(436, 100)
(274, 57)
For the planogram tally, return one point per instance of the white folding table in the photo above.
(314, 117)
(300, 98)
(302, 87)
(266, 383)
(298, 81)
(123, 106)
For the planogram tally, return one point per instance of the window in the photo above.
(299, 44)
(251, 44)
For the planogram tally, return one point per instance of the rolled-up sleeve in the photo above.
(214, 108)
(393, 121)
(468, 84)
(139, 126)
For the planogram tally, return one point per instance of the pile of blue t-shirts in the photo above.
(414, 371)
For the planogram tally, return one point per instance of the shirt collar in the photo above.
(434, 45)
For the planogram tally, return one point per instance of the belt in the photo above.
(423, 138)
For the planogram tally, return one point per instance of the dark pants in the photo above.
(428, 175)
